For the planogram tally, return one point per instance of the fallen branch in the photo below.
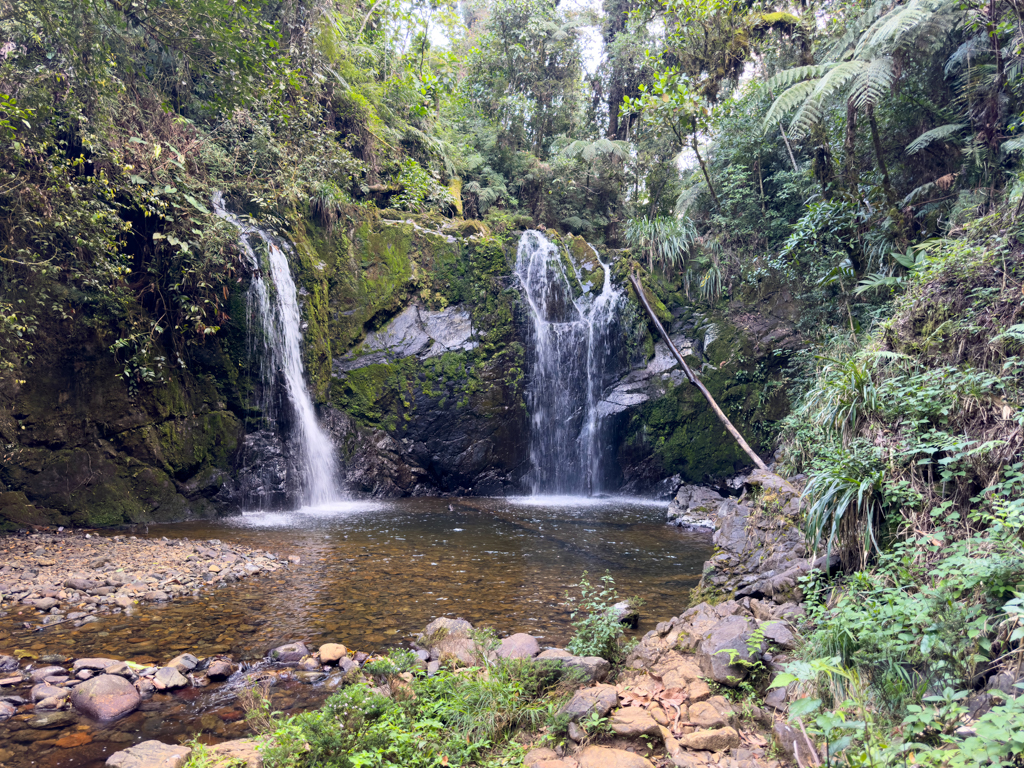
(692, 378)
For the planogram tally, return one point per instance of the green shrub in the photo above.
(597, 630)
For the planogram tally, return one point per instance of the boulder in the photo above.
(219, 669)
(39, 675)
(6, 711)
(43, 691)
(634, 722)
(105, 697)
(606, 757)
(443, 627)
(727, 640)
(93, 664)
(150, 754)
(463, 650)
(694, 507)
(704, 715)
(599, 698)
(186, 662)
(626, 613)
(595, 667)
(518, 646)
(331, 653)
(780, 633)
(9, 663)
(289, 652)
(534, 756)
(717, 740)
(167, 678)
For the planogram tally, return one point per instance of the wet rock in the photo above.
(595, 667)
(695, 507)
(634, 722)
(150, 754)
(156, 596)
(93, 664)
(6, 711)
(50, 703)
(168, 678)
(599, 698)
(53, 720)
(45, 691)
(9, 663)
(717, 740)
(105, 697)
(42, 603)
(73, 740)
(186, 662)
(606, 757)
(518, 646)
(82, 585)
(331, 653)
(219, 669)
(288, 653)
(39, 675)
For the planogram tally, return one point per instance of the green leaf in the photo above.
(196, 204)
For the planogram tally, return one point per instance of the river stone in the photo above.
(288, 652)
(634, 722)
(717, 740)
(332, 652)
(42, 603)
(53, 720)
(150, 754)
(242, 750)
(39, 675)
(595, 667)
(169, 677)
(219, 670)
(606, 757)
(82, 585)
(93, 664)
(105, 697)
(518, 646)
(779, 633)
(6, 710)
(464, 650)
(186, 662)
(534, 756)
(600, 698)
(9, 663)
(45, 691)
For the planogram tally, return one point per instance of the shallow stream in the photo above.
(372, 575)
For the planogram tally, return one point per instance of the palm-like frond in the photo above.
(787, 77)
(941, 133)
(873, 82)
(590, 150)
(1015, 144)
(788, 100)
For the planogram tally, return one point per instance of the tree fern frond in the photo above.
(1015, 144)
(968, 49)
(837, 77)
(941, 133)
(796, 74)
(918, 192)
(805, 118)
(856, 29)
(873, 81)
(787, 101)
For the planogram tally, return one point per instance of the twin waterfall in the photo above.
(574, 321)
(573, 312)
(277, 307)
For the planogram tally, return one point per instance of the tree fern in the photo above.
(1015, 144)
(873, 82)
(941, 133)
(792, 97)
(787, 77)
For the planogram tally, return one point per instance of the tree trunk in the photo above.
(850, 150)
(880, 156)
(707, 177)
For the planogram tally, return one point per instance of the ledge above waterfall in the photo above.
(416, 331)
(649, 382)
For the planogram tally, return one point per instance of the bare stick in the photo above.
(694, 380)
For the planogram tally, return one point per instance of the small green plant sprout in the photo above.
(751, 661)
(597, 630)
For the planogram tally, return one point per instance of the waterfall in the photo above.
(574, 323)
(277, 307)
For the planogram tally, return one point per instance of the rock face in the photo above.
(695, 507)
(105, 697)
(761, 550)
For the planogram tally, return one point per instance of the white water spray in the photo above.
(572, 342)
(278, 310)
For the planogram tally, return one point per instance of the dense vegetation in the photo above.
(862, 158)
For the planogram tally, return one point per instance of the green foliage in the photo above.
(597, 630)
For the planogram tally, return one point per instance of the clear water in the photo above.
(372, 575)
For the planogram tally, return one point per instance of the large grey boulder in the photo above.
(599, 698)
(105, 697)
(695, 507)
(594, 667)
(288, 653)
(725, 641)
(518, 646)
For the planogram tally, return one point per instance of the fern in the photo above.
(872, 83)
(795, 95)
(1015, 144)
(796, 74)
(942, 133)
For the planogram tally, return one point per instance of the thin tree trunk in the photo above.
(692, 378)
(850, 149)
(707, 177)
(789, 149)
(880, 156)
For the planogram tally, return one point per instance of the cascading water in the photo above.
(278, 311)
(574, 323)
